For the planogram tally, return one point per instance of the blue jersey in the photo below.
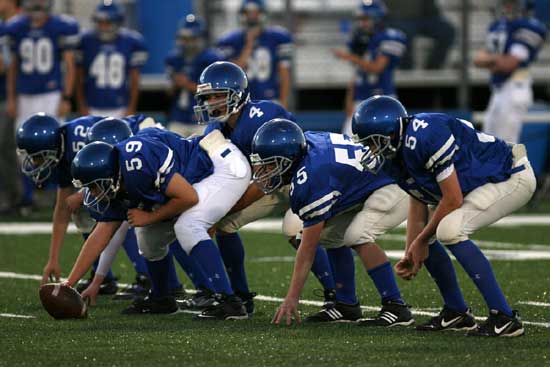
(4, 55)
(184, 100)
(39, 51)
(391, 43)
(522, 38)
(106, 67)
(149, 160)
(272, 47)
(74, 138)
(253, 115)
(435, 145)
(331, 178)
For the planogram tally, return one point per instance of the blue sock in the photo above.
(132, 251)
(479, 269)
(441, 269)
(189, 265)
(173, 281)
(159, 272)
(343, 266)
(207, 255)
(384, 280)
(232, 252)
(108, 277)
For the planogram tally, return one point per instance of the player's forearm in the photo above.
(302, 266)
(284, 84)
(242, 59)
(79, 91)
(134, 91)
(70, 74)
(98, 240)
(173, 208)
(182, 82)
(505, 64)
(11, 78)
(108, 255)
(375, 67)
(349, 98)
(445, 206)
(416, 220)
(60, 222)
(250, 196)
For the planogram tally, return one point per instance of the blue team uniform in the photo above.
(184, 101)
(330, 178)
(391, 43)
(273, 46)
(147, 165)
(503, 34)
(253, 115)
(435, 143)
(39, 51)
(107, 65)
(4, 50)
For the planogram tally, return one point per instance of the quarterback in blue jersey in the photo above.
(459, 180)
(264, 52)
(108, 65)
(184, 66)
(223, 100)
(374, 51)
(513, 43)
(167, 187)
(40, 43)
(342, 206)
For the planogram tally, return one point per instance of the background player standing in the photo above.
(264, 52)
(513, 43)
(109, 58)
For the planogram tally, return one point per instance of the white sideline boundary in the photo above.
(415, 311)
(263, 225)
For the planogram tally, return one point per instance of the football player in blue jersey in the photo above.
(40, 44)
(264, 52)
(374, 51)
(342, 206)
(109, 58)
(168, 188)
(513, 43)
(459, 180)
(48, 150)
(184, 65)
(223, 100)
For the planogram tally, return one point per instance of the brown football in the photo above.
(62, 301)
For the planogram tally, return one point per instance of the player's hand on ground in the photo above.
(64, 108)
(90, 293)
(11, 108)
(286, 311)
(139, 218)
(51, 272)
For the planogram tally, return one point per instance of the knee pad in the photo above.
(450, 230)
(292, 224)
(189, 233)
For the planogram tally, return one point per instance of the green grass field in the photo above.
(109, 338)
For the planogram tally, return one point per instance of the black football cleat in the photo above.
(248, 301)
(391, 314)
(499, 324)
(149, 305)
(139, 289)
(178, 293)
(336, 312)
(200, 301)
(225, 308)
(450, 320)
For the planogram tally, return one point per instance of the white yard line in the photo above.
(267, 225)
(533, 303)
(415, 311)
(12, 315)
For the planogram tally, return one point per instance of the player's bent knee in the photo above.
(450, 230)
(189, 233)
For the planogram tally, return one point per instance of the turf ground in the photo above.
(109, 338)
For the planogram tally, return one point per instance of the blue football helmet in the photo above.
(191, 35)
(378, 124)
(221, 77)
(40, 141)
(278, 147)
(37, 8)
(249, 20)
(95, 169)
(375, 9)
(110, 12)
(109, 130)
